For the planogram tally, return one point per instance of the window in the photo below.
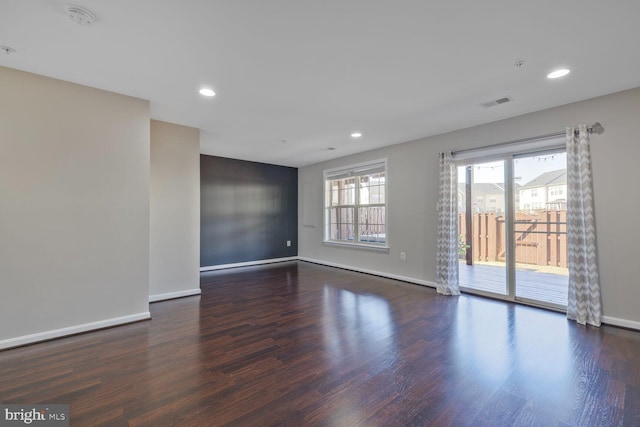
(355, 204)
(556, 191)
(534, 192)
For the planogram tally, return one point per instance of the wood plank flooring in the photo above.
(297, 344)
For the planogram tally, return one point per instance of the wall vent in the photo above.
(498, 101)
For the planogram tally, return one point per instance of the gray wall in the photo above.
(413, 193)
(74, 207)
(248, 211)
(174, 211)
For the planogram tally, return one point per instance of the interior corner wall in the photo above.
(249, 211)
(174, 258)
(74, 208)
(413, 193)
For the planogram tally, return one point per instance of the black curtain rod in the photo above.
(594, 128)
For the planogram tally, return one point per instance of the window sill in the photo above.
(364, 246)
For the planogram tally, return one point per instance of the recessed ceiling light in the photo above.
(356, 135)
(207, 92)
(558, 73)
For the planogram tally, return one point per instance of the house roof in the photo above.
(485, 188)
(557, 177)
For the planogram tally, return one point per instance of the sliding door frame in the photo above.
(523, 300)
(508, 157)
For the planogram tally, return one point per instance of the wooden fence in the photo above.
(540, 238)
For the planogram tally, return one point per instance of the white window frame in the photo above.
(510, 152)
(358, 169)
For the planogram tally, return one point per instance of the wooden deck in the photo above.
(533, 285)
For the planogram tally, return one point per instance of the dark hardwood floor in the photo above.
(296, 344)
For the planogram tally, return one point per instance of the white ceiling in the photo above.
(312, 72)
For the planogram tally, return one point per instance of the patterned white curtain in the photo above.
(584, 284)
(447, 250)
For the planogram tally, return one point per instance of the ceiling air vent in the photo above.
(495, 102)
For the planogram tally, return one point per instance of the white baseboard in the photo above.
(172, 295)
(247, 264)
(613, 321)
(624, 323)
(72, 330)
(374, 272)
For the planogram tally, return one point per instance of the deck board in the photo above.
(533, 285)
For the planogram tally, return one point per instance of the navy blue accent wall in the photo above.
(248, 211)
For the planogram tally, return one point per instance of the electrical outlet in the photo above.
(403, 256)
(288, 242)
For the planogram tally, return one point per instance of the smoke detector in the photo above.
(80, 15)
(7, 49)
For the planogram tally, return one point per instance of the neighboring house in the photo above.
(546, 191)
(486, 197)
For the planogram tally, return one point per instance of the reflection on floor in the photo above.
(300, 344)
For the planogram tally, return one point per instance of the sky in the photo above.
(525, 168)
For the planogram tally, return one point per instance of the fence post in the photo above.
(492, 241)
(476, 238)
(485, 237)
(561, 239)
(548, 248)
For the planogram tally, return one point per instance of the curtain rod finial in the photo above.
(597, 128)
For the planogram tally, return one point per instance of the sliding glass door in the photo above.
(540, 228)
(512, 227)
(481, 221)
